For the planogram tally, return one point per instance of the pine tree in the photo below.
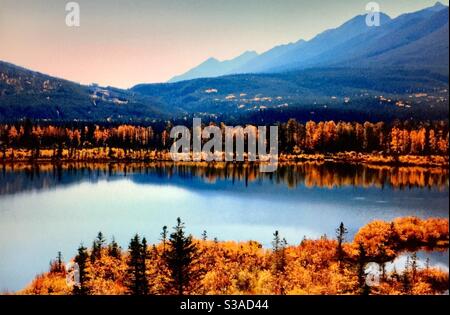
(383, 259)
(164, 234)
(362, 260)
(279, 261)
(406, 281)
(181, 258)
(57, 265)
(340, 234)
(137, 282)
(81, 260)
(414, 267)
(204, 236)
(97, 247)
(114, 249)
(59, 261)
(279, 252)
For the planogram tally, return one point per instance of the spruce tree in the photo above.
(414, 267)
(340, 235)
(57, 265)
(114, 249)
(406, 280)
(362, 260)
(204, 236)
(60, 262)
(383, 257)
(279, 253)
(279, 261)
(97, 247)
(164, 238)
(181, 258)
(137, 282)
(81, 260)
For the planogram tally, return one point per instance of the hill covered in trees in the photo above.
(29, 94)
(313, 94)
(180, 264)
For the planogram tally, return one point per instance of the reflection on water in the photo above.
(23, 177)
(49, 208)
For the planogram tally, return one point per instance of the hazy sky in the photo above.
(124, 42)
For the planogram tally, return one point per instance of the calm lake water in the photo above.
(45, 209)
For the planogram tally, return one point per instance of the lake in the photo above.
(49, 208)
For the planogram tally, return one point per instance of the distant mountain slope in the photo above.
(414, 40)
(282, 55)
(364, 48)
(304, 53)
(417, 40)
(269, 58)
(430, 51)
(213, 67)
(25, 93)
(331, 93)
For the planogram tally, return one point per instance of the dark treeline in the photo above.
(424, 138)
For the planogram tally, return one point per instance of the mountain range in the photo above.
(352, 72)
(418, 39)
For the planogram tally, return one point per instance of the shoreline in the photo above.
(104, 155)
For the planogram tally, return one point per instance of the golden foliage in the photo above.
(312, 267)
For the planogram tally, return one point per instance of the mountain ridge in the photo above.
(330, 47)
(213, 67)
